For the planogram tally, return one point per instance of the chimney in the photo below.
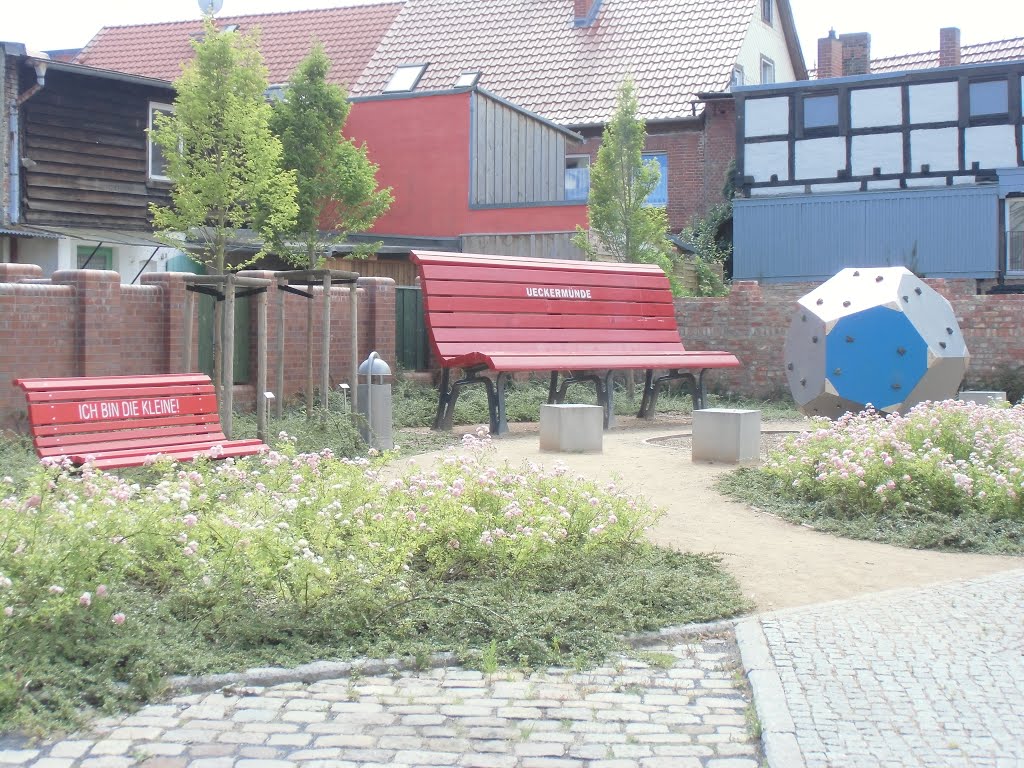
(585, 12)
(949, 47)
(830, 56)
(856, 53)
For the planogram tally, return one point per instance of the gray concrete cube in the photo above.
(727, 435)
(570, 428)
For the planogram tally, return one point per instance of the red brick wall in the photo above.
(699, 155)
(753, 320)
(85, 323)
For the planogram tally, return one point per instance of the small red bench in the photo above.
(122, 421)
(584, 318)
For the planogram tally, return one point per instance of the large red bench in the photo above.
(584, 319)
(122, 421)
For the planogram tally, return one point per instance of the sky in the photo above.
(896, 26)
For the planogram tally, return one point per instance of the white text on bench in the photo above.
(558, 293)
(114, 409)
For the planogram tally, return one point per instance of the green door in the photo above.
(205, 330)
(410, 329)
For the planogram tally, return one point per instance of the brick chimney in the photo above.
(856, 53)
(585, 11)
(830, 56)
(949, 47)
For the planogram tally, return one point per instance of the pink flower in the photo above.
(85, 600)
(118, 618)
(9, 611)
(101, 590)
(56, 590)
(33, 501)
(190, 520)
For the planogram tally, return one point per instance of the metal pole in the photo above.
(353, 308)
(261, 366)
(190, 310)
(309, 349)
(325, 348)
(279, 386)
(229, 354)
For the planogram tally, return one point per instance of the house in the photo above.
(78, 173)
(922, 168)
(560, 60)
(564, 59)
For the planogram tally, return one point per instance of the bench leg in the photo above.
(604, 387)
(499, 422)
(553, 389)
(652, 386)
(443, 419)
(650, 397)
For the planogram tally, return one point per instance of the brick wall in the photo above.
(856, 53)
(85, 323)
(698, 159)
(753, 320)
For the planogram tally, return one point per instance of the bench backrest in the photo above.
(69, 412)
(516, 305)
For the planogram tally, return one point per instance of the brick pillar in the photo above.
(12, 273)
(830, 56)
(856, 53)
(172, 288)
(949, 47)
(377, 318)
(99, 321)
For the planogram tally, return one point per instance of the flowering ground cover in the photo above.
(109, 583)
(947, 475)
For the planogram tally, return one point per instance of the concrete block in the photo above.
(569, 428)
(728, 435)
(982, 397)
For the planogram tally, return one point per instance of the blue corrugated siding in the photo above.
(936, 233)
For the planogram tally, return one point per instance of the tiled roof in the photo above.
(531, 54)
(981, 53)
(350, 35)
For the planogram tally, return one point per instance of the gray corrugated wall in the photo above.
(946, 232)
(516, 159)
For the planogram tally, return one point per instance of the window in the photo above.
(405, 78)
(737, 77)
(989, 97)
(766, 11)
(767, 71)
(157, 161)
(91, 257)
(1015, 235)
(577, 177)
(659, 195)
(821, 111)
(467, 80)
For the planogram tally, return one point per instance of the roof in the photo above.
(980, 53)
(530, 52)
(349, 35)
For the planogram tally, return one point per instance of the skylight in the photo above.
(405, 78)
(467, 80)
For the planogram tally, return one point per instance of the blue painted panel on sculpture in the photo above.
(876, 356)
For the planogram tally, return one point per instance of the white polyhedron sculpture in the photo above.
(877, 336)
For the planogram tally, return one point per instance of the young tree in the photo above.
(223, 160)
(620, 220)
(337, 183)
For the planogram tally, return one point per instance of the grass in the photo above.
(947, 476)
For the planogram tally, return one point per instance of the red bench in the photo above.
(121, 421)
(584, 318)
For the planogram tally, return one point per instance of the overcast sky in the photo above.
(896, 26)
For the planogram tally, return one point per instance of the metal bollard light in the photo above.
(374, 399)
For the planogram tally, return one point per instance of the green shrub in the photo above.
(947, 475)
(108, 585)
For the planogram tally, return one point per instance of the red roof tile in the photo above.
(350, 35)
(531, 54)
(981, 53)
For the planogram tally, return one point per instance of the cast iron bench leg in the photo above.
(444, 402)
(499, 422)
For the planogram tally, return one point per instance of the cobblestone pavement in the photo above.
(678, 705)
(923, 677)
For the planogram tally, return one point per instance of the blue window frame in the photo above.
(659, 195)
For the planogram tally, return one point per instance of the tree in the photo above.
(621, 222)
(337, 183)
(223, 160)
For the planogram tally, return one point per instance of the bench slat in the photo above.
(195, 446)
(492, 320)
(115, 393)
(37, 384)
(197, 421)
(199, 431)
(434, 304)
(568, 348)
(432, 258)
(73, 413)
(582, 278)
(118, 443)
(490, 336)
(120, 462)
(562, 362)
(520, 290)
